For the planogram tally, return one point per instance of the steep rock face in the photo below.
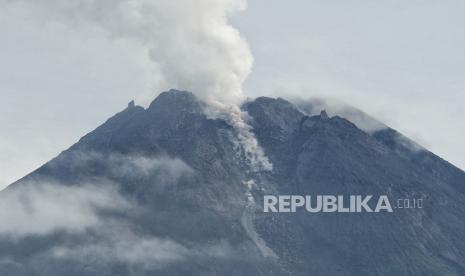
(180, 172)
(186, 182)
(332, 156)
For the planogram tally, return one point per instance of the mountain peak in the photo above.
(176, 100)
(177, 169)
(271, 113)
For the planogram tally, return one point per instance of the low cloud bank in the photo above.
(118, 243)
(41, 208)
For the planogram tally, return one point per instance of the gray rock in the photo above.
(198, 200)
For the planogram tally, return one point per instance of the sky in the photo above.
(400, 61)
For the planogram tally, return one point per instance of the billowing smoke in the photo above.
(189, 40)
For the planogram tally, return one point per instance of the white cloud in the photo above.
(117, 243)
(128, 165)
(40, 208)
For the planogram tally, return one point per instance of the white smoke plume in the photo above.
(190, 41)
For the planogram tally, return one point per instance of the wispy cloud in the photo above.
(40, 208)
(338, 108)
(116, 242)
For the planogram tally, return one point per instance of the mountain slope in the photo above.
(194, 208)
(332, 156)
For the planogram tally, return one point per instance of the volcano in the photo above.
(184, 199)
